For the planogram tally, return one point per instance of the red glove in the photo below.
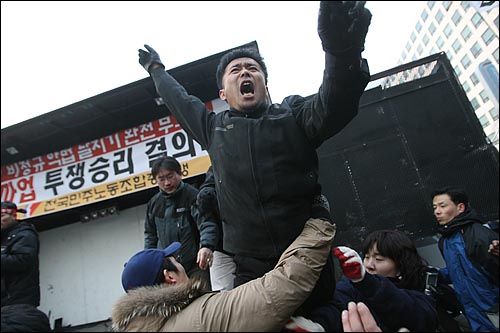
(350, 262)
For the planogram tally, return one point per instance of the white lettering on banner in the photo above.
(114, 165)
(117, 141)
(104, 169)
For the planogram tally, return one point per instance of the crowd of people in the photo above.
(250, 249)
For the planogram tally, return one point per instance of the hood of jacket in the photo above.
(469, 216)
(158, 303)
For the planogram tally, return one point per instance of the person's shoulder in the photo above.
(24, 226)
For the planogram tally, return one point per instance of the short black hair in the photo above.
(169, 266)
(235, 54)
(457, 195)
(165, 162)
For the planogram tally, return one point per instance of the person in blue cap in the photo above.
(161, 297)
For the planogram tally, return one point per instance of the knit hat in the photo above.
(142, 269)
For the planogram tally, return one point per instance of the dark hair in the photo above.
(457, 195)
(169, 266)
(236, 54)
(165, 162)
(397, 246)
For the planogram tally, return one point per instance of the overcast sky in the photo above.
(58, 53)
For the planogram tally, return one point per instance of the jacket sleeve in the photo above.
(191, 113)
(23, 253)
(207, 226)
(150, 233)
(337, 101)
(395, 307)
(279, 292)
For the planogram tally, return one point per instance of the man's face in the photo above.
(244, 85)
(180, 276)
(446, 210)
(168, 180)
(7, 220)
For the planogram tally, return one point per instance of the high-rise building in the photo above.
(468, 32)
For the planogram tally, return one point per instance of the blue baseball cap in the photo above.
(142, 269)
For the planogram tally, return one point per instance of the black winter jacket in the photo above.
(169, 219)
(24, 318)
(265, 162)
(20, 266)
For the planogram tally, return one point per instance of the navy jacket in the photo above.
(392, 307)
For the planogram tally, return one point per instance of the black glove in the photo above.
(207, 201)
(342, 26)
(146, 59)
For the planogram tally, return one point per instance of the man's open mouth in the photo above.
(246, 88)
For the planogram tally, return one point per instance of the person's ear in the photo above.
(168, 278)
(222, 94)
(461, 207)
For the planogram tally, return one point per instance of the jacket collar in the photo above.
(158, 301)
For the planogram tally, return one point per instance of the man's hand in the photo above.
(350, 263)
(148, 59)
(205, 258)
(493, 248)
(342, 26)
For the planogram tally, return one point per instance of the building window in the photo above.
(426, 39)
(413, 37)
(496, 21)
(432, 28)
(474, 79)
(456, 18)
(439, 16)
(431, 4)
(418, 26)
(494, 113)
(466, 33)
(448, 30)
(421, 71)
(495, 55)
(433, 50)
(484, 121)
(465, 5)
(475, 103)
(420, 49)
(408, 46)
(457, 46)
(484, 96)
(476, 50)
(476, 19)
(488, 36)
(446, 5)
(465, 61)
(403, 55)
(450, 55)
(424, 15)
(457, 70)
(466, 87)
(440, 42)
